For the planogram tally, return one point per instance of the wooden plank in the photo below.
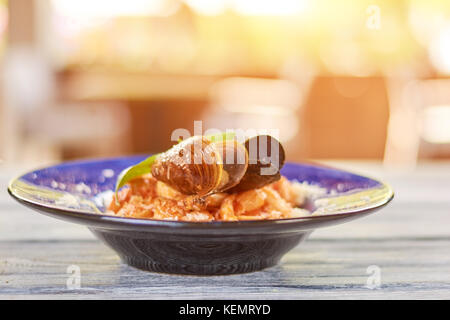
(317, 269)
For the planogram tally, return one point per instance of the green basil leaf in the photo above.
(221, 136)
(134, 172)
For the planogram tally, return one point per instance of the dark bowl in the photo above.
(75, 191)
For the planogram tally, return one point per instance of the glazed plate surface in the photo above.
(78, 192)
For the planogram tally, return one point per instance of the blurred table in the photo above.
(408, 243)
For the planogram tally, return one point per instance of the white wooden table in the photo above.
(407, 244)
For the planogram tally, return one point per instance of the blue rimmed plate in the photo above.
(76, 192)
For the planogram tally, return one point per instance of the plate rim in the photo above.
(98, 218)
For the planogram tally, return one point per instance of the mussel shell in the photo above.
(266, 158)
(234, 159)
(197, 166)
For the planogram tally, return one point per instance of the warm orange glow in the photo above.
(208, 7)
(113, 8)
(350, 37)
(270, 7)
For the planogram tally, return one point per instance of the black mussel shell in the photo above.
(266, 158)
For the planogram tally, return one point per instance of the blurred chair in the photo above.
(419, 124)
(39, 129)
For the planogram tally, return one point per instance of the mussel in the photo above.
(266, 158)
(199, 166)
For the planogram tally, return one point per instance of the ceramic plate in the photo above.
(79, 192)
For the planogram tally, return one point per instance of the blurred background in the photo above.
(348, 79)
